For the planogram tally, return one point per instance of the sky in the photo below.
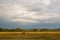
(30, 14)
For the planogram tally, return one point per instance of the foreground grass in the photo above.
(30, 36)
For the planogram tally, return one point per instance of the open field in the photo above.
(30, 36)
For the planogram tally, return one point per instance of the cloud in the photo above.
(30, 11)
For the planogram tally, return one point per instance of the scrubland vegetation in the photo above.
(30, 30)
(33, 34)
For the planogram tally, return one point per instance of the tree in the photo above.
(35, 29)
(18, 29)
(44, 30)
(1, 29)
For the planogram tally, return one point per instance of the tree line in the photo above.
(31, 30)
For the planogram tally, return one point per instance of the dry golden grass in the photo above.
(30, 35)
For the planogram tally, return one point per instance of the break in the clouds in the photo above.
(29, 11)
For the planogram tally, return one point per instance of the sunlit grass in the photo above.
(30, 35)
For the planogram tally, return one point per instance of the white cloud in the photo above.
(47, 2)
(29, 11)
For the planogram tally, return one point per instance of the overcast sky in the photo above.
(30, 13)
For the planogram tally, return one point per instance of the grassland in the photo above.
(30, 36)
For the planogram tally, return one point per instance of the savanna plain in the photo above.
(29, 35)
